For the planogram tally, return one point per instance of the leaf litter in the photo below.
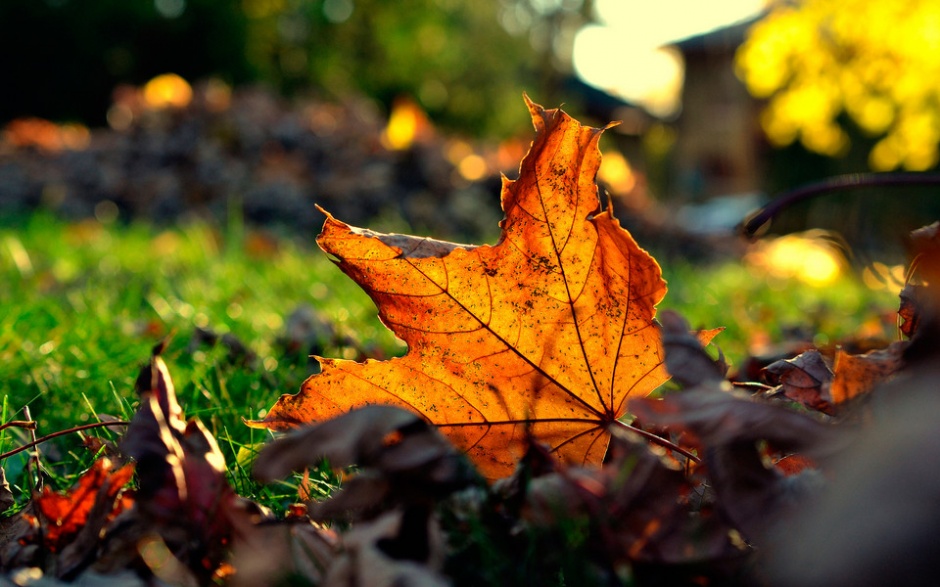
(464, 487)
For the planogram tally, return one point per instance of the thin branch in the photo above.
(26, 424)
(81, 428)
(660, 441)
(838, 183)
(752, 386)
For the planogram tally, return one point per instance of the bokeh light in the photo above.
(809, 257)
(406, 124)
(167, 91)
(46, 136)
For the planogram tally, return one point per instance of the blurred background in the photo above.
(403, 114)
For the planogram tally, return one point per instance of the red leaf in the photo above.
(65, 514)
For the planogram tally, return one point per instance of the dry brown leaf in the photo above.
(729, 428)
(184, 501)
(686, 359)
(369, 556)
(854, 375)
(804, 379)
(547, 332)
(265, 551)
(401, 459)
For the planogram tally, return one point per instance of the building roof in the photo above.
(728, 37)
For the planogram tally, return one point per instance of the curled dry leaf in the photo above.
(547, 332)
(729, 429)
(911, 311)
(184, 498)
(808, 380)
(686, 359)
(402, 460)
(804, 379)
(271, 552)
(397, 548)
(70, 528)
(639, 507)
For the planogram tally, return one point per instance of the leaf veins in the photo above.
(546, 333)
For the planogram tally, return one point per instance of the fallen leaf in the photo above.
(370, 558)
(728, 429)
(805, 379)
(545, 333)
(276, 552)
(913, 299)
(808, 380)
(65, 514)
(638, 506)
(854, 375)
(402, 460)
(686, 359)
(184, 501)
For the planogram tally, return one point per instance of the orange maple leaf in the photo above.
(545, 333)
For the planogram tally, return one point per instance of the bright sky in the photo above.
(624, 55)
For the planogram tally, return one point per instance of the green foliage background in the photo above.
(459, 59)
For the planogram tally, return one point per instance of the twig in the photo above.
(752, 386)
(660, 441)
(833, 184)
(38, 441)
(33, 462)
(26, 424)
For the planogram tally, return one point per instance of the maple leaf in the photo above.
(67, 513)
(545, 333)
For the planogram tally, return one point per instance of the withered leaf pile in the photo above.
(516, 443)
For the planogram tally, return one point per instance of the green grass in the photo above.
(760, 312)
(82, 305)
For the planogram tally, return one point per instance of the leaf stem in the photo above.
(42, 439)
(660, 441)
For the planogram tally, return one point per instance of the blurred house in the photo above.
(719, 149)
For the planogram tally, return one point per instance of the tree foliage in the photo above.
(820, 62)
(454, 57)
(459, 59)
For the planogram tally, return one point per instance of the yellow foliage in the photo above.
(878, 62)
